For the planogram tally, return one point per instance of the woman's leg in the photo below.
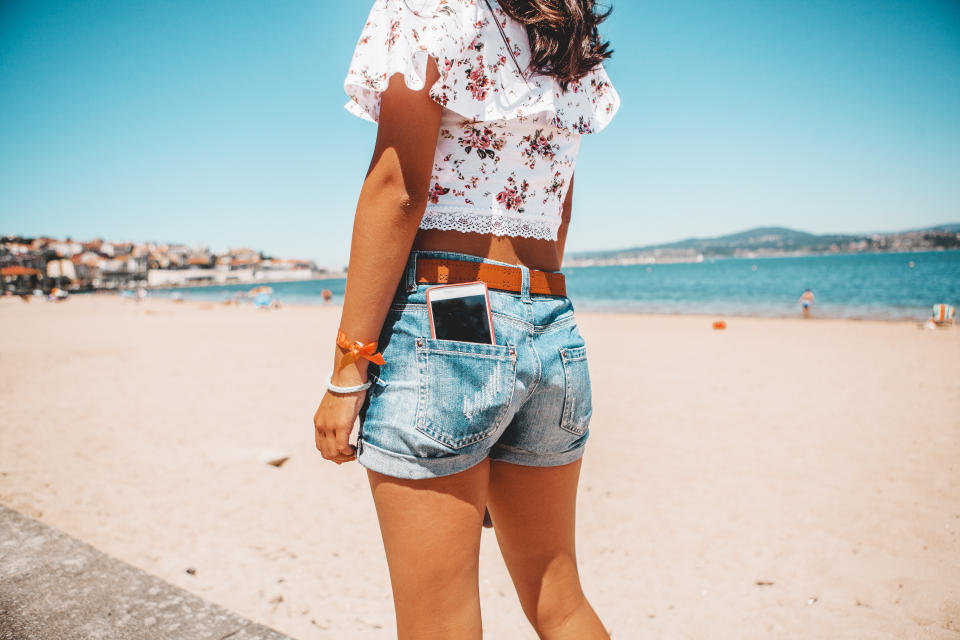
(431, 533)
(533, 511)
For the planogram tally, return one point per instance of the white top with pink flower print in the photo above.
(508, 143)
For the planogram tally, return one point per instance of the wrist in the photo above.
(347, 389)
(350, 373)
(351, 358)
(348, 376)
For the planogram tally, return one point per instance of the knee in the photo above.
(554, 616)
(560, 599)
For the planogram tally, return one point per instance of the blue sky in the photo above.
(222, 122)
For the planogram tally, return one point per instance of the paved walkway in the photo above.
(55, 587)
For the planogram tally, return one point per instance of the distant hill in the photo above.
(757, 238)
(762, 239)
(949, 228)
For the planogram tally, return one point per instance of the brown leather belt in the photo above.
(496, 276)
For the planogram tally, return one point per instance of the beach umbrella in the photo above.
(261, 289)
(943, 314)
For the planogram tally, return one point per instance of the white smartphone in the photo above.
(460, 312)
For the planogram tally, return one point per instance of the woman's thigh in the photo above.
(431, 534)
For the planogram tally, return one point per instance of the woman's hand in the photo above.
(333, 423)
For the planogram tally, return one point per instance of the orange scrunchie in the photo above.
(357, 349)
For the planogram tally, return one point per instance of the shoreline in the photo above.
(891, 290)
(580, 265)
(580, 308)
(252, 283)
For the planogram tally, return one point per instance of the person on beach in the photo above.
(806, 301)
(481, 106)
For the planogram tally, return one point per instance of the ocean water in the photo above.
(874, 285)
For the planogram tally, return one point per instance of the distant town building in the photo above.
(44, 263)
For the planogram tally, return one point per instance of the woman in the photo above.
(480, 107)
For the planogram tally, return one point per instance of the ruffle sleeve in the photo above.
(398, 37)
(478, 78)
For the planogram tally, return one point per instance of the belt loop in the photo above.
(412, 272)
(524, 283)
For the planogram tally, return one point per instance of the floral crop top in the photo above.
(508, 143)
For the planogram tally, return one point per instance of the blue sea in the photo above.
(870, 285)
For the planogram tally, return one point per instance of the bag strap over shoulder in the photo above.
(506, 43)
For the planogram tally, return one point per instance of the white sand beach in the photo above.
(780, 479)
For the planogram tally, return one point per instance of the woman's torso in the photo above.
(507, 142)
(531, 252)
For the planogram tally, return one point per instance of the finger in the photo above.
(331, 449)
(343, 439)
(348, 455)
(317, 428)
(322, 442)
(345, 448)
(326, 443)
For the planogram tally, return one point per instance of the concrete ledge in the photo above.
(53, 586)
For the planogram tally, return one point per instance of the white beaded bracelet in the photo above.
(354, 389)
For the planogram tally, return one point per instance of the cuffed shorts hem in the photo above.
(504, 453)
(398, 465)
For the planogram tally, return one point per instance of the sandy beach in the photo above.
(779, 479)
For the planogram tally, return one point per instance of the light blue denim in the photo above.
(438, 407)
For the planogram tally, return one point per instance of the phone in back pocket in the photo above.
(460, 312)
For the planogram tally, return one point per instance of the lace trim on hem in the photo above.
(489, 223)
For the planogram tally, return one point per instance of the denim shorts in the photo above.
(438, 407)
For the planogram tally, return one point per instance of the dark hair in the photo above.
(564, 40)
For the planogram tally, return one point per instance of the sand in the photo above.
(780, 479)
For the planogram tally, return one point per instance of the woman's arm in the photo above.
(389, 209)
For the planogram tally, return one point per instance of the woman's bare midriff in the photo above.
(533, 253)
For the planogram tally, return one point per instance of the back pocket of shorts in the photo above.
(577, 401)
(465, 389)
